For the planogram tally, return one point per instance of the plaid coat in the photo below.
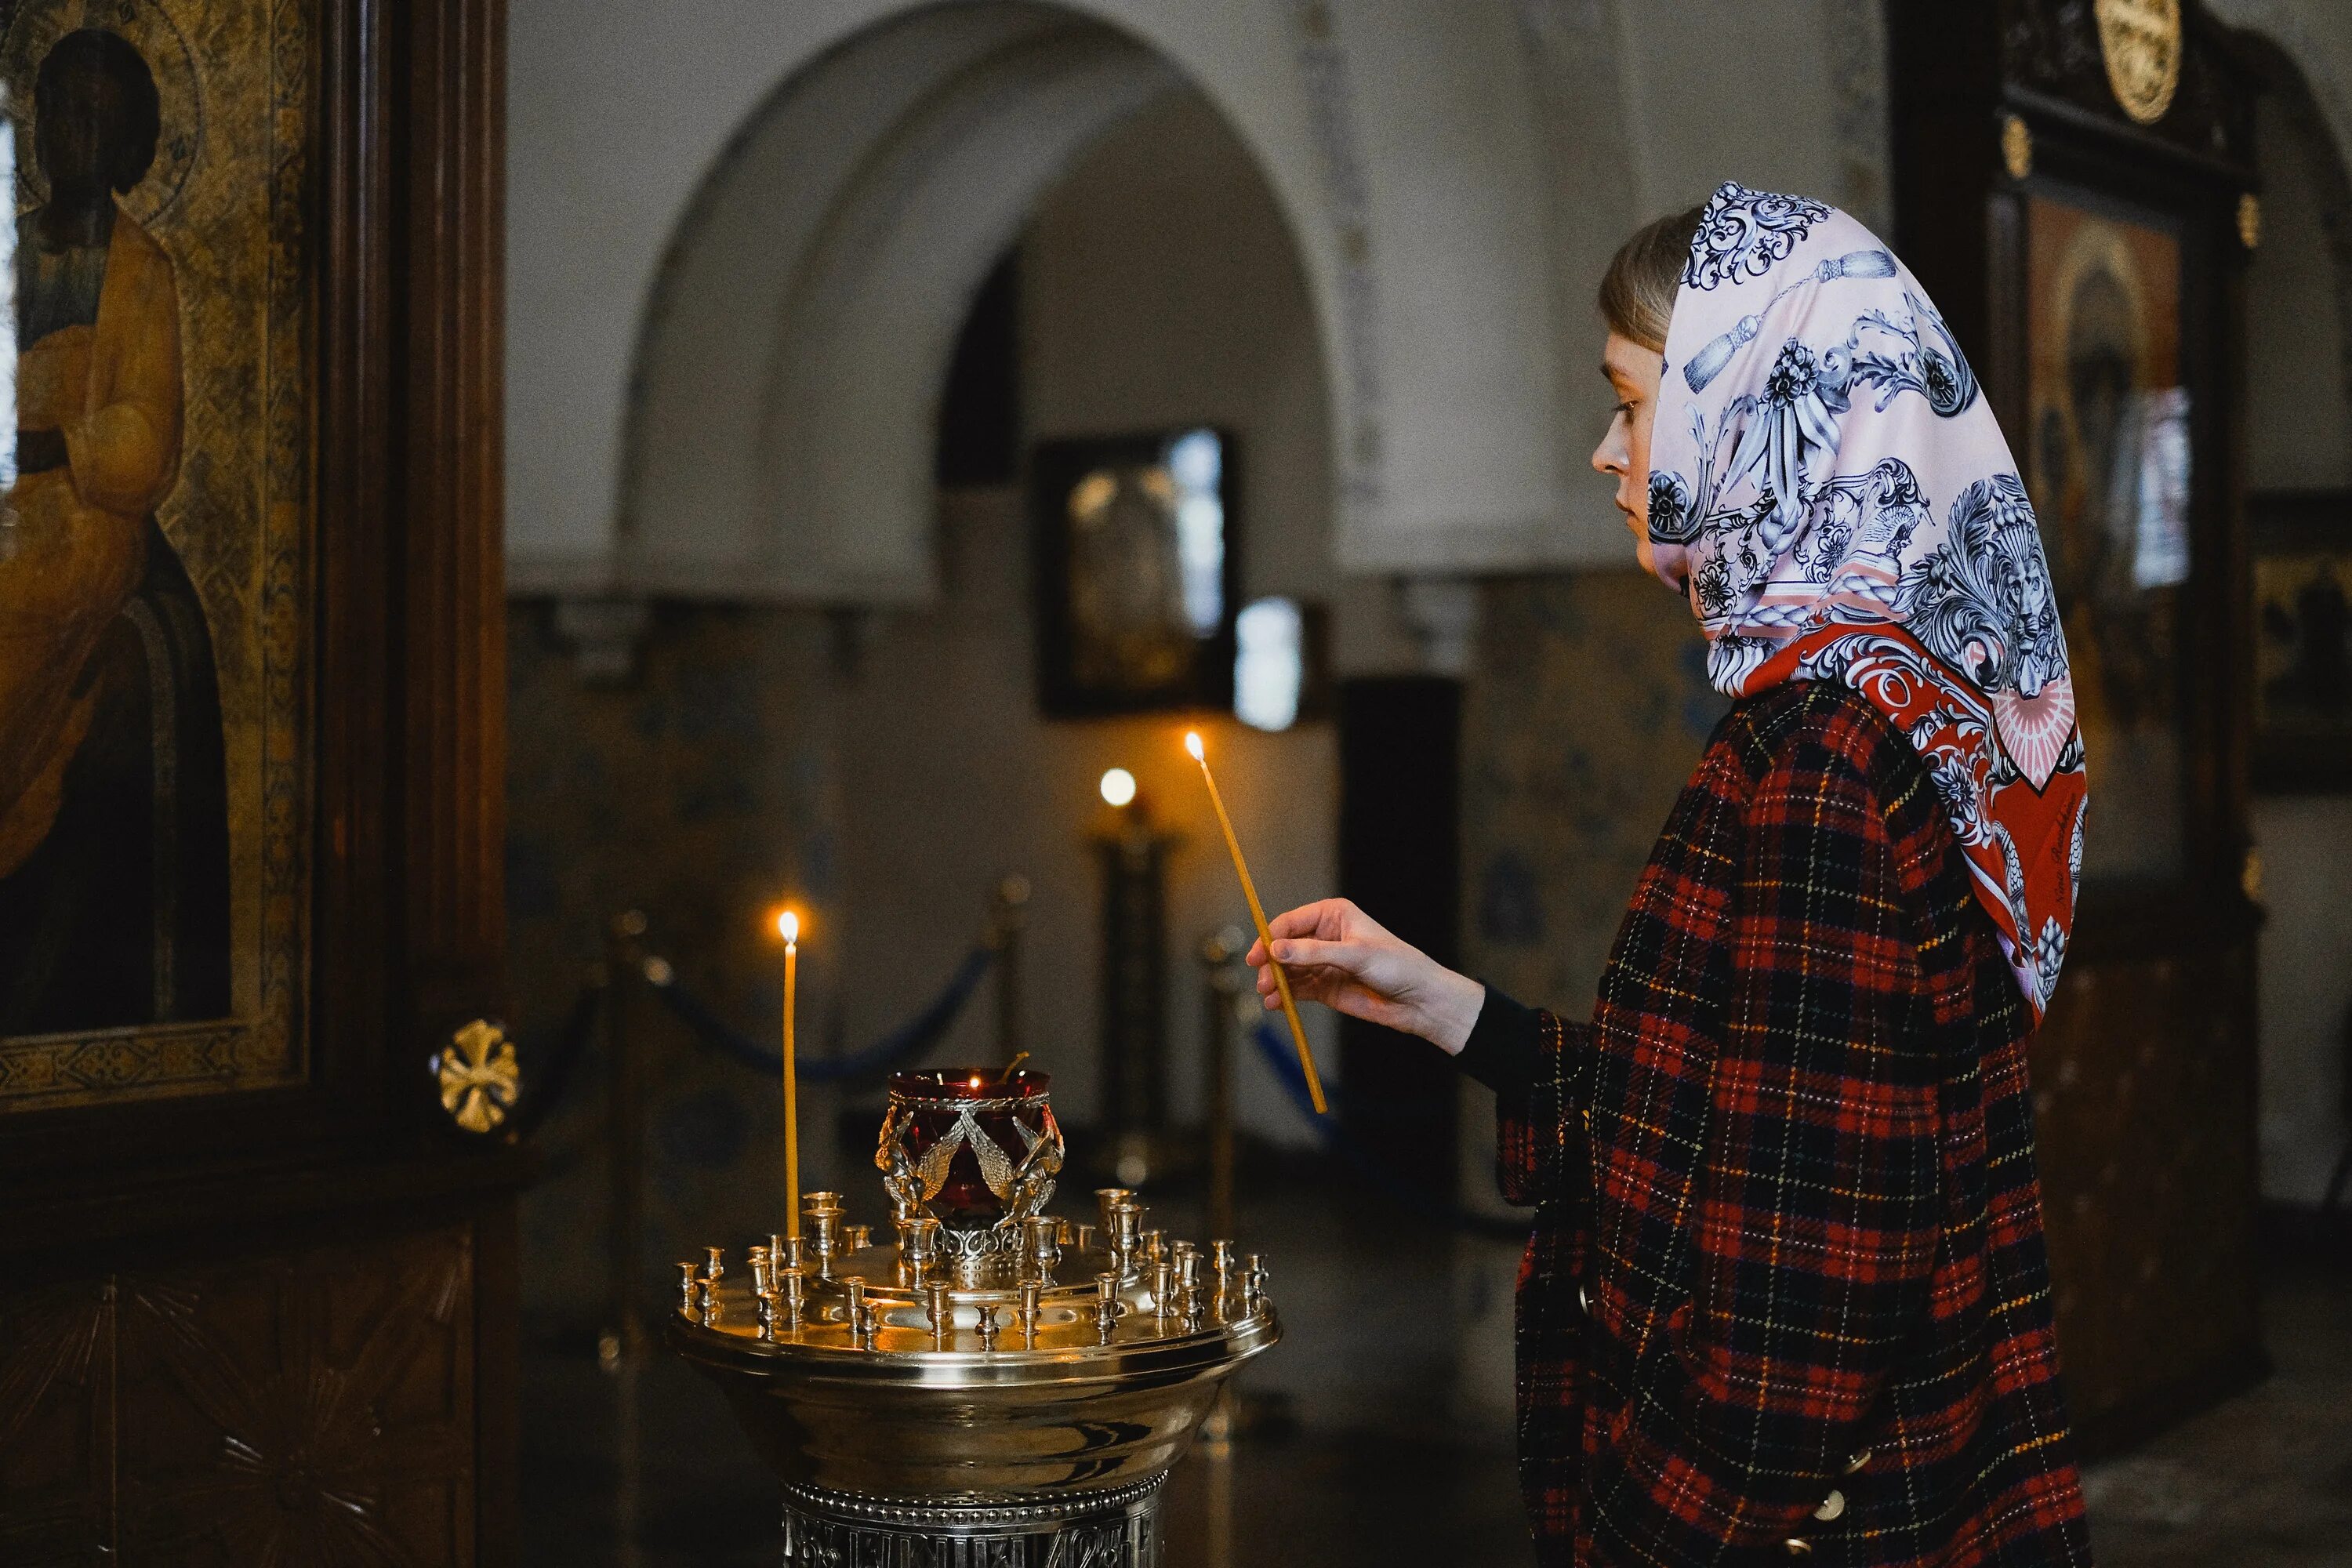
(1786, 1296)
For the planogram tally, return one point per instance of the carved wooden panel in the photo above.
(56, 1424)
(313, 1407)
(2143, 1098)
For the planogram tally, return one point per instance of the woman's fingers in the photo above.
(1300, 921)
(1339, 994)
(1301, 953)
(1324, 918)
(1330, 983)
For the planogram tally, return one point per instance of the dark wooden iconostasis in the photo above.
(258, 1297)
(2083, 208)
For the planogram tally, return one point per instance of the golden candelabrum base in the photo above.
(1017, 1405)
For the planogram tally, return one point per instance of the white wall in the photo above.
(2317, 35)
(2299, 436)
(1751, 103)
(2298, 419)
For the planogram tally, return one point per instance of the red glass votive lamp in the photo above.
(971, 1146)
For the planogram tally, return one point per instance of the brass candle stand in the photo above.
(1010, 1394)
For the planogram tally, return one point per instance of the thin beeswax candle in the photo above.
(1257, 914)
(788, 926)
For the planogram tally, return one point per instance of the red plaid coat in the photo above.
(1786, 1296)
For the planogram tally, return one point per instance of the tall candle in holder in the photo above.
(788, 926)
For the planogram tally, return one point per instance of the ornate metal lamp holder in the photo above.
(975, 1149)
(992, 1385)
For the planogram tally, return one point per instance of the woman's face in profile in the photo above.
(1632, 372)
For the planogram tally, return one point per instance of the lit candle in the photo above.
(788, 926)
(1257, 914)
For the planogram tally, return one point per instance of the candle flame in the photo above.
(788, 926)
(1193, 744)
(1119, 787)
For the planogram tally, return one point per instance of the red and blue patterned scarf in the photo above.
(1829, 485)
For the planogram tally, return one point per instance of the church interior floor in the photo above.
(1378, 1431)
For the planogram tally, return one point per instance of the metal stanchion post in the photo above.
(1220, 989)
(622, 1347)
(624, 1112)
(1005, 923)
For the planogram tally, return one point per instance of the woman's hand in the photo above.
(1337, 954)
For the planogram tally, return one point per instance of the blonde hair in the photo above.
(1637, 292)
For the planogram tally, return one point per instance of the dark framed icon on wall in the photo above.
(1137, 571)
(2303, 639)
(2108, 463)
(156, 552)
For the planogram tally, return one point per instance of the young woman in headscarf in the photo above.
(1785, 1297)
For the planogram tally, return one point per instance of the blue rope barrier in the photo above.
(902, 1044)
(1283, 1062)
(546, 1084)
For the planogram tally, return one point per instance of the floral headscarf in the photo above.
(1828, 482)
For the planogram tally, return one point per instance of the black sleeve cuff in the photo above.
(1503, 1045)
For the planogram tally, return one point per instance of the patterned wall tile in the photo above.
(1586, 709)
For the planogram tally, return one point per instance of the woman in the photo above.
(1786, 1296)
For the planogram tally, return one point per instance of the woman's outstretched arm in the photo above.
(1339, 955)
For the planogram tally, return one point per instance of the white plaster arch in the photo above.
(2316, 35)
(1400, 142)
(847, 230)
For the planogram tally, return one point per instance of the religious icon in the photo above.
(2303, 639)
(2108, 472)
(110, 706)
(153, 775)
(1136, 573)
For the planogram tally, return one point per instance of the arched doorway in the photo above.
(781, 453)
(778, 445)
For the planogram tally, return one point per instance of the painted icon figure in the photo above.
(113, 836)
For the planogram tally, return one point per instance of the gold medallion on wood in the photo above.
(2141, 42)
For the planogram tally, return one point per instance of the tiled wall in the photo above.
(1586, 711)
